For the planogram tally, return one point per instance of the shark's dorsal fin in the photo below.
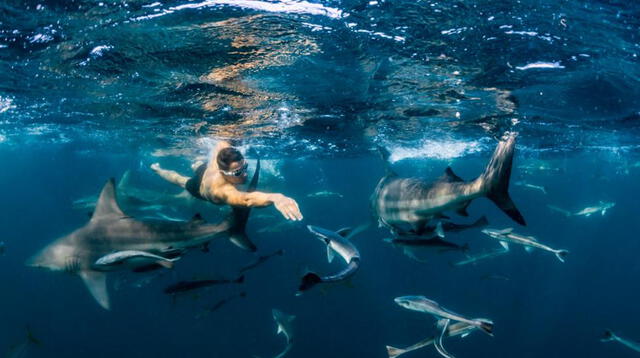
(107, 204)
(345, 231)
(96, 282)
(450, 176)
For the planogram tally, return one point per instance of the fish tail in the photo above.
(608, 336)
(495, 179)
(561, 254)
(486, 325)
(308, 281)
(394, 352)
(239, 279)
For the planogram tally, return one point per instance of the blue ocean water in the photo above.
(91, 90)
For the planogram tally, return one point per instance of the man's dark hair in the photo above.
(228, 155)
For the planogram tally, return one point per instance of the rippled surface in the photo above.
(319, 77)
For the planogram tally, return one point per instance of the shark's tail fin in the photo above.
(486, 326)
(608, 336)
(561, 254)
(495, 179)
(394, 352)
(308, 281)
(239, 279)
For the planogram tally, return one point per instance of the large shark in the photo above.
(111, 230)
(408, 204)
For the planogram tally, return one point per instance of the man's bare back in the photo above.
(216, 182)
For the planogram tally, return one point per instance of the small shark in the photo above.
(410, 244)
(483, 256)
(610, 336)
(456, 329)
(425, 305)
(601, 208)
(401, 202)
(111, 230)
(507, 236)
(531, 186)
(337, 242)
(285, 326)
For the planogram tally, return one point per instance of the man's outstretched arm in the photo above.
(170, 175)
(285, 205)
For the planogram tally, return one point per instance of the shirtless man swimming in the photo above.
(216, 182)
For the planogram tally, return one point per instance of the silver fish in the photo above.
(324, 194)
(284, 323)
(131, 259)
(482, 256)
(531, 186)
(425, 305)
(507, 236)
(456, 329)
(336, 242)
(601, 208)
(610, 336)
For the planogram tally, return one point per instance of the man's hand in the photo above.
(287, 207)
(155, 167)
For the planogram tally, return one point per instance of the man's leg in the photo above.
(170, 175)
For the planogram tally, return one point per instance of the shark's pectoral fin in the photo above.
(504, 244)
(96, 282)
(528, 249)
(330, 254)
